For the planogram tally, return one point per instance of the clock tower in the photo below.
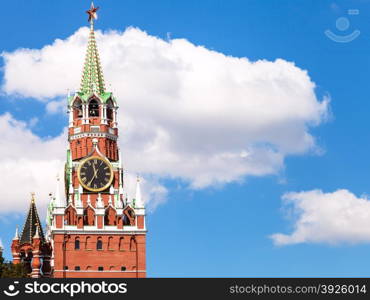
(93, 229)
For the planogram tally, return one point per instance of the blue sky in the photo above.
(224, 230)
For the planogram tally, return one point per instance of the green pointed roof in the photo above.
(31, 224)
(92, 80)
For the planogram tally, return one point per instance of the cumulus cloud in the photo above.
(329, 218)
(185, 111)
(56, 107)
(29, 163)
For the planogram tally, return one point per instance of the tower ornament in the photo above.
(92, 13)
(33, 197)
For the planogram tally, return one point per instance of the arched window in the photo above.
(110, 216)
(133, 244)
(94, 108)
(87, 243)
(77, 109)
(129, 217)
(110, 242)
(121, 244)
(110, 107)
(126, 220)
(71, 216)
(99, 244)
(77, 243)
(89, 216)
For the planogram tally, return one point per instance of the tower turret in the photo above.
(30, 247)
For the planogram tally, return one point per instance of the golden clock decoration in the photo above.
(95, 173)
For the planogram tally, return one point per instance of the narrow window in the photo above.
(65, 267)
(123, 268)
(77, 244)
(99, 244)
(121, 243)
(100, 268)
(110, 243)
(133, 244)
(87, 243)
(77, 268)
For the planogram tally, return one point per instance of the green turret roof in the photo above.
(92, 80)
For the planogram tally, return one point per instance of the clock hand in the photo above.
(94, 176)
(91, 180)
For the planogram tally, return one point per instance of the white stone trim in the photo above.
(140, 211)
(93, 134)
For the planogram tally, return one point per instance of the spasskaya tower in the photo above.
(95, 231)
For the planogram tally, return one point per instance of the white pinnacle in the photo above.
(58, 199)
(79, 195)
(71, 190)
(16, 236)
(138, 200)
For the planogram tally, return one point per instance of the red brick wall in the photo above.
(111, 258)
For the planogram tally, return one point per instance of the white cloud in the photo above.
(185, 111)
(29, 163)
(56, 106)
(33, 121)
(328, 218)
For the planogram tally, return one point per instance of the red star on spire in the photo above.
(92, 12)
